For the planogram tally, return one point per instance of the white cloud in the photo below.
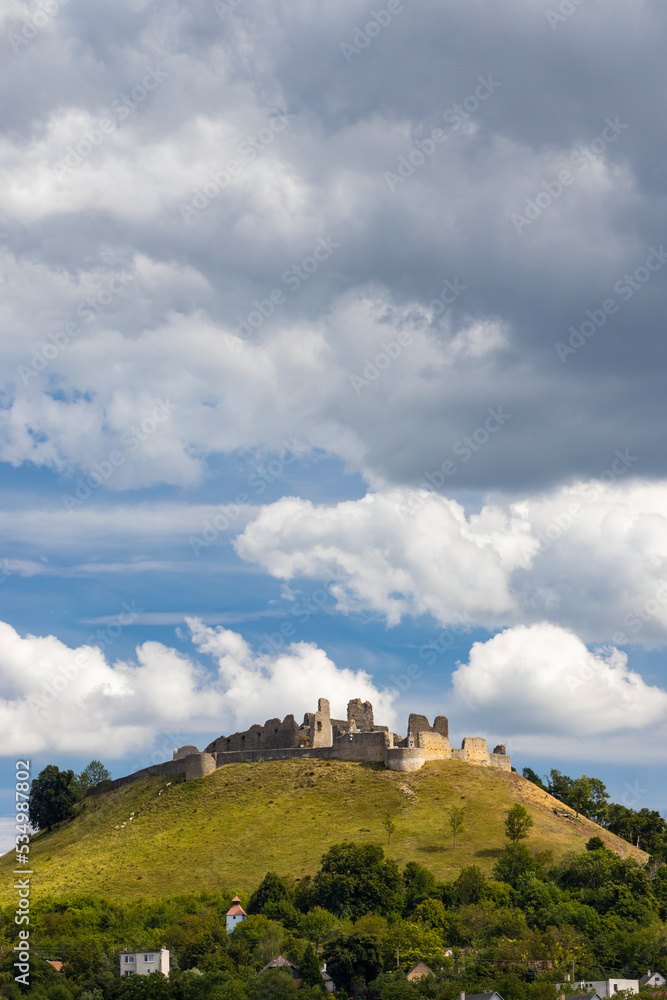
(592, 557)
(547, 692)
(76, 701)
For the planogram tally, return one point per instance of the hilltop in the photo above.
(226, 830)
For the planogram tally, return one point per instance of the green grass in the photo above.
(225, 831)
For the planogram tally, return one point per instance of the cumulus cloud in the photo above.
(547, 692)
(592, 556)
(301, 140)
(77, 701)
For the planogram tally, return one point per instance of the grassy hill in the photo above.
(225, 831)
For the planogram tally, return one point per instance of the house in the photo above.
(329, 984)
(603, 987)
(280, 962)
(488, 995)
(235, 915)
(142, 963)
(581, 996)
(418, 971)
(652, 979)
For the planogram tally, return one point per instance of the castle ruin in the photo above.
(356, 738)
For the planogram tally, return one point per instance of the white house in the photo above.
(604, 988)
(235, 915)
(142, 963)
(652, 979)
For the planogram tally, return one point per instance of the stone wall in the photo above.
(419, 724)
(435, 746)
(321, 733)
(500, 760)
(320, 736)
(475, 750)
(361, 713)
(195, 765)
(274, 734)
(360, 747)
(404, 758)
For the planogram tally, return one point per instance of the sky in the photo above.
(333, 353)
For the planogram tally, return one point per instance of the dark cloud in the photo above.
(550, 89)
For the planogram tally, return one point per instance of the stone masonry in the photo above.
(354, 739)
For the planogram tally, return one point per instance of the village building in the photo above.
(142, 963)
(603, 987)
(652, 979)
(235, 915)
(280, 962)
(418, 971)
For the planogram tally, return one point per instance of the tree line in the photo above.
(517, 932)
(54, 794)
(644, 828)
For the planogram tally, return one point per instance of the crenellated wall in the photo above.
(358, 739)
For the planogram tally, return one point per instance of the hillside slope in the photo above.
(225, 831)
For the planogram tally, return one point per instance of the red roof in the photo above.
(236, 909)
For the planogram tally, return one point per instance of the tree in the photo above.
(595, 844)
(357, 878)
(420, 884)
(470, 886)
(271, 891)
(580, 794)
(316, 925)
(456, 817)
(558, 785)
(389, 825)
(517, 823)
(514, 865)
(351, 957)
(433, 914)
(530, 775)
(309, 968)
(52, 797)
(94, 777)
(598, 800)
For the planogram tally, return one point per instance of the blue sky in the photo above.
(333, 344)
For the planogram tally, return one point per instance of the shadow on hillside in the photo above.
(489, 852)
(432, 849)
(372, 765)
